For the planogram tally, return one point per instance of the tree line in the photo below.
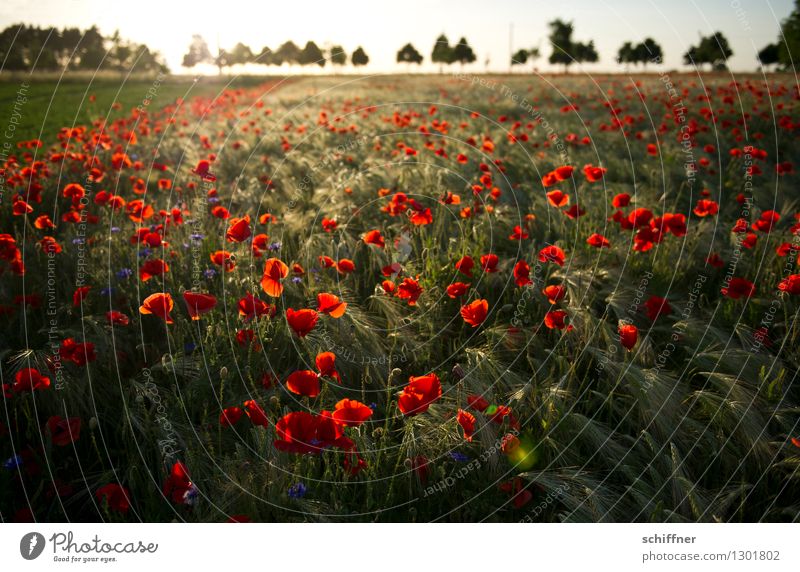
(25, 48)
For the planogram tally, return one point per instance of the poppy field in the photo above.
(451, 297)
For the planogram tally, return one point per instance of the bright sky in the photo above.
(382, 28)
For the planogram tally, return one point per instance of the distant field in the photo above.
(51, 104)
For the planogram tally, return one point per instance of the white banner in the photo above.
(401, 547)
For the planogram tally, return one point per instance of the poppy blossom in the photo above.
(465, 266)
(117, 318)
(557, 198)
(330, 305)
(251, 307)
(518, 234)
(304, 382)
(29, 379)
(739, 288)
(345, 266)
(554, 293)
(64, 431)
(255, 413)
(457, 289)
(224, 259)
(274, 272)
(326, 365)
(475, 313)
(418, 395)
(374, 237)
(628, 335)
(553, 254)
(409, 289)
(477, 402)
(467, 422)
(198, 304)
(790, 284)
(80, 295)
(78, 353)
(203, 170)
(301, 321)
(116, 497)
(178, 485)
(239, 230)
(159, 304)
(152, 268)
(556, 320)
(706, 207)
(230, 416)
(351, 413)
(657, 306)
(489, 263)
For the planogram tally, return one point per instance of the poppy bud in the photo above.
(223, 372)
(458, 372)
(93, 423)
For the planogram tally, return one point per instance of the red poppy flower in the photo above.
(518, 234)
(457, 289)
(564, 172)
(409, 289)
(351, 413)
(657, 306)
(621, 200)
(78, 353)
(64, 431)
(706, 207)
(467, 422)
(151, 268)
(592, 173)
(489, 263)
(117, 318)
(574, 212)
(477, 402)
(329, 224)
(738, 288)
(628, 334)
(29, 379)
(330, 305)
(116, 496)
(177, 484)
(297, 433)
(274, 271)
(556, 320)
(421, 218)
(203, 170)
(420, 392)
(256, 414)
(465, 266)
(326, 364)
(302, 321)
(790, 284)
(230, 416)
(80, 295)
(304, 382)
(345, 266)
(224, 259)
(198, 304)
(374, 237)
(159, 304)
(251, 307)
(553, 254)
(239, 230)
(554, 293)
(558, 198)
(475, 313)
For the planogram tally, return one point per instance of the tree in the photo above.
(198, 53)
(626, 54)
(533, 55)
(561, 40)
(408, 54)
(266, 57)
(713, 49)
(288, 53)
(520, 57)
(462, 52)
(311, 54)
(789, 42)
(585, 52)
(338, 56)
(769, 55)
(240, 54)
(442, 52)
(647, 52)
(359, 57)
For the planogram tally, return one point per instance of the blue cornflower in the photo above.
(275, 246)
(459, 457)
(124, 273)
(115, 229)
(12, 462)
(189, 347)
(106, 291)
(197, 236)
(297, 280)
(297, 491)
(209, 273)
(190, 496)
(145, 252)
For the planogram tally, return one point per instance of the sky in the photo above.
(490, 26)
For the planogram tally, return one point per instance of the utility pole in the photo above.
(510, 44)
